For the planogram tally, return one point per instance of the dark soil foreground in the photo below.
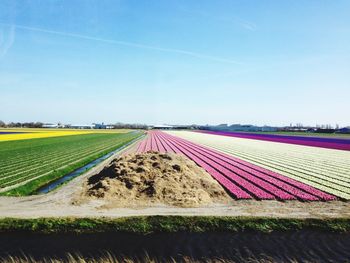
(297, 246)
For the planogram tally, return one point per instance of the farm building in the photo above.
(343, 130)
(240, 128)
(81, 126)
(99, 126)
(102, 126)
(172, 127)
(50, 125)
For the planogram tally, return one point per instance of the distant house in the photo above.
(50, 125)
(222, 126)
(81, 126)
(99, 126)
(311, 130)
(343, 130)
(91, 126)
(240, 128)
(236, 127)
(324, 130)
(249, 128)
(172, 127)
(268, 129)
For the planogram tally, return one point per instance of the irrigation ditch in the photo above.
(62, 180)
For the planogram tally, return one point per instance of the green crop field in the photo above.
(26, 165)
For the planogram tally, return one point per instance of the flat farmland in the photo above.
(325, 169)
(29, 164)
(14, 134)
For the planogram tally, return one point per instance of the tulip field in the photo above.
(259, 169)
(16, 134)
(28, 163)
(331, 143)
(248, 166)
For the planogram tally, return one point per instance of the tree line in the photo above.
(117, 125)
(21, 124)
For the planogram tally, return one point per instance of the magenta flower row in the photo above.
(330, 143)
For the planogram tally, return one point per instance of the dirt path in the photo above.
(59, 204)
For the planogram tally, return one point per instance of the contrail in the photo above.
(128, 44)
(6, 40)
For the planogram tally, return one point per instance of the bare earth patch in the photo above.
(139, 180)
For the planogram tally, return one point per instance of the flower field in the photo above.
(325, 169)
(28, 164)
(243, 179)
(24, 134)
(331, 143)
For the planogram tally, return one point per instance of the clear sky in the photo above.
(175, 61)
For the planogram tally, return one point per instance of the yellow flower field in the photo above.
(26, 133)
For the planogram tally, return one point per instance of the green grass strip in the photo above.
(171, 224)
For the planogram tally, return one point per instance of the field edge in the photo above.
(170, 224)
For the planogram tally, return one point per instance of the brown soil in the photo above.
(153, 178)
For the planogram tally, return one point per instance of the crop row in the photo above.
(21, 150)
(38, 159)
(45, 156)
(331, 143)
(43, 170)
(242, 179)
(47, 166)
(336, 175)
(339, 178)
(305, 164)
(323, 181)
(48, 147)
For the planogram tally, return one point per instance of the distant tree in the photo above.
(2, 124)
(28, 124)
(120, 125)
(14, 125)
(38, 125)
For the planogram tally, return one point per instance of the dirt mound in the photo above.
(154, 178)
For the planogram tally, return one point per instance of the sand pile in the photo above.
(154, 178)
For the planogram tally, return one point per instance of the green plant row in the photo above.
(91, 147)
(32, 170)
(17, 153)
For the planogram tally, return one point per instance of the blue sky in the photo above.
(175, 61)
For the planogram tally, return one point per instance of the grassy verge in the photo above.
(170, 224)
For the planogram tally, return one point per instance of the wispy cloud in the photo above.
(239, 21)
(7, 38)
(248, 25)
(128, 44)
